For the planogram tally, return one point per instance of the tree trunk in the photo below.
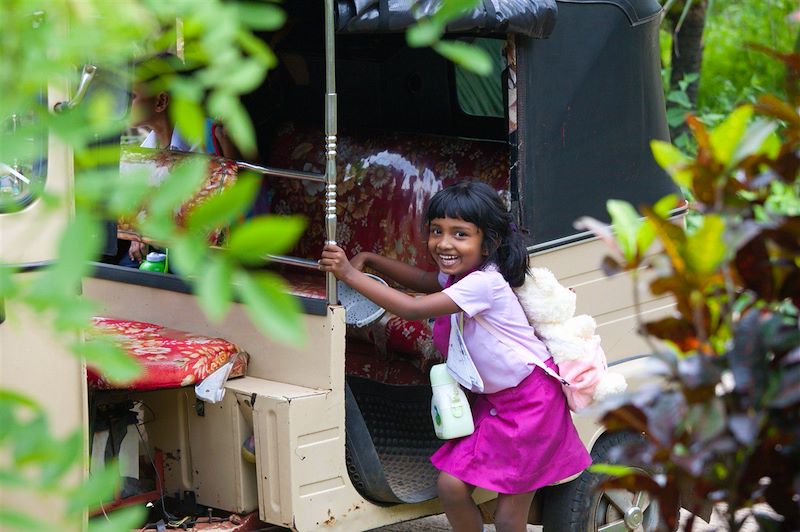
(687, 50)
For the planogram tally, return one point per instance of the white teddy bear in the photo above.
(571, 340)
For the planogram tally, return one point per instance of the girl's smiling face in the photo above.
(456, 245)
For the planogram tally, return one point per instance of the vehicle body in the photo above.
(342, 430)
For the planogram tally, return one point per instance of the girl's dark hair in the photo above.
(478, 203)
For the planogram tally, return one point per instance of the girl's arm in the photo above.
(407, 275)
(398, 303)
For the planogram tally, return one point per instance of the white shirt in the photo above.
(177, 142)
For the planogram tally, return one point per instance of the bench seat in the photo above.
(169, 358)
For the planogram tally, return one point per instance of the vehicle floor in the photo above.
(390, 440)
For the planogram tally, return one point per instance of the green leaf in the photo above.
(425, 33)
(129, 518)
(265, 235)
(257, 49)
(612, 470)
(681, 98)
(705, 248)
(688, 79)
(647, 232)
(181, 185)
(221, 209)
(676, 116)
(190, 116)
(95, 490)
(230, 110)
(467, 56)
(32, 441)
(80, 243)
(270, 306)
(755, 140)
(75, 313)
(12, 399)
(449, 9)
(108, 358)
(16, 520)
(8, 287)
(260, 16)
(673, 161)
(726, 136)
(129, 192)
(246, 77)
(158, 227)
(707, 420)
(66, 456)
(626, 223)
(187, 254)
(214, 288)
(664, 206)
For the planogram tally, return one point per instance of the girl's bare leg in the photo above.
(512, 512)
(456, 498)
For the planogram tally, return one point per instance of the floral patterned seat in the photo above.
(220, 174)
(385, 182)
(169, 358)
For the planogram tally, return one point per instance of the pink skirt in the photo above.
(524, 439)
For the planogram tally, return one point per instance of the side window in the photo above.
(22, 159)
(479, 95)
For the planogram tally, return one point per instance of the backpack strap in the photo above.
(508, 342)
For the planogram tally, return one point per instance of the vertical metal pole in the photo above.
(330, 141)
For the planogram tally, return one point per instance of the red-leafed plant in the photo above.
(726, 425)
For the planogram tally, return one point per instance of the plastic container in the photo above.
(154, 262)
(358, 310)
(452, 417)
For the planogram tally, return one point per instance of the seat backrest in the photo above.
(220, 174)
(384, 183)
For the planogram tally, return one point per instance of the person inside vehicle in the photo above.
(150, 109)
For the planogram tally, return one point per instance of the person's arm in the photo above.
(398, 303)
(223, 145)
(137, 251)
(411, 277)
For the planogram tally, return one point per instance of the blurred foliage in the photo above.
(44, 44)
(725, 425)
(429, 32)
(732, 72)
(38, 464)
(48, 41)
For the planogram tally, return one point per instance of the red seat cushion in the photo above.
(169, 358)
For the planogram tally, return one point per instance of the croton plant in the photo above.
(724, 426)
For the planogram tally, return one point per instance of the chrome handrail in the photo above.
(281, 172)
(330, 141)
(329, 178)
(310, 264)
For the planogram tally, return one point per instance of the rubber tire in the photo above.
(567, 507)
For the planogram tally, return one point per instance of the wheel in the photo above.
(577, 507)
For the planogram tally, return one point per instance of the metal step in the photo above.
(390, 440)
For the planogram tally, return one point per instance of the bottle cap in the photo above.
(154, 256)
(440, 375)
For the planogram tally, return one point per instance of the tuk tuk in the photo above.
(356, 131)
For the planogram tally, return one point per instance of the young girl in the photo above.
(524, 437)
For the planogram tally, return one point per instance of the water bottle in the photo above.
(450, 411)
(154, 262)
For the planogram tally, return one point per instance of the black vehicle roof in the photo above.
(532, 18)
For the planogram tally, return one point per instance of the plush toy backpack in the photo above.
(571, 340)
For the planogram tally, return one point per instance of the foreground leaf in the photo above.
(270, 306)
